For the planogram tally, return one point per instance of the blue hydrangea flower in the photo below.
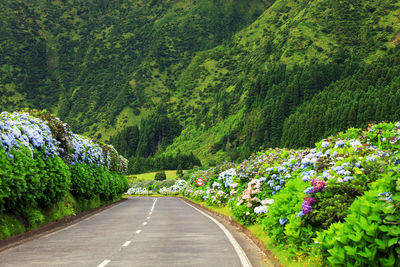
(309, 191)
(348, 178)
(340, 143)
(283, 221)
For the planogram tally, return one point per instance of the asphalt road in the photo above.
(137, 232)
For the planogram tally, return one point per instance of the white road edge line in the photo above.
(104, 263)
(126, 243)
(90, 217)
(239, 251)
(59, 231)
(138, 231)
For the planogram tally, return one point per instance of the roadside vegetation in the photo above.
(135, 178)
(47, 172)
(335, 204)
(218, 79)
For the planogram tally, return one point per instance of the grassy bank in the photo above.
(135, 178)
(30, 218)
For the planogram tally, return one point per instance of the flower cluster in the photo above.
(40, 130)
(84, 150)
(22, 129)
(318, 185)
(253, 187)
(226, 177)
(264, 206)
(306, 205)
(270, 186)
(138, 191)
(179, 186)
(387, 196)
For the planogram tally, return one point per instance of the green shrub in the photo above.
(287, 203)
(160, 176)
(55, 181)
(371, 232)
(83, 181)
(89, 181)
(33, 216)
(242, 213)
(61, 209)
(10, 225)
(30, 179)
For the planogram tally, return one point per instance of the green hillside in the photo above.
(276, 71)
(219, 79)
(102, 59)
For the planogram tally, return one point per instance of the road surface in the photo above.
(138, 232)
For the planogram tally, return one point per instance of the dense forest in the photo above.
(169, 82)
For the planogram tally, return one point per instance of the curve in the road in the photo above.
(134, 233)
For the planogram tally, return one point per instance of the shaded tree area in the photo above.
(163, 162)
(154, 134)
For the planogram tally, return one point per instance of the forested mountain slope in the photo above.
(99, 58)
(224, 77)
(287, 79)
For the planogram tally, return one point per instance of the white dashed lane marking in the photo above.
(152, 208)
(126, 243)
(104, 263)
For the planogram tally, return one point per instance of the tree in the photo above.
(160, 176)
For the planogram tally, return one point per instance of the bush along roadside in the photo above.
(47, 172)
(336, 204)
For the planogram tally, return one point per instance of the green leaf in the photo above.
(355, 238)
(384, 228)
(394, 230)
(371, 229)
(391, 218)
(393, 241)
(364, 209)
(351, 251)
(342, 238)
(363, 222)
(367, 253)
(388, 262)
(338, 253)
(381, 243)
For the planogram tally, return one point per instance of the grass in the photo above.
(134, 178)
(200, 141)
(30, 218)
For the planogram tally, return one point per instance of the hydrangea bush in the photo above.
(41, 160)
(339, 200)
(22, 129)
